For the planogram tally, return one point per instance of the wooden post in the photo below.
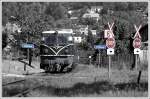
(28, 48)
(109, 68)
(99, 58)
(28, 53)
(24, 66)
(78, 58)
(136, 61)
(90, 60)
(140, 71)
(37, 58)
(139, 76)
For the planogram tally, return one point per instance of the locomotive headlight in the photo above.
(66, 51)
(70, 38)
(43, 39)
(45, 51)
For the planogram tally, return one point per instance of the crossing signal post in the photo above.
(137, 51)
(110, 43)
(137, 44)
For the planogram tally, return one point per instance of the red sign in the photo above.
(137, 43)
(110, 42)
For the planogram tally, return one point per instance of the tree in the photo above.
(4, 39)
(90, 39)
(56, 10)
(31, 18)
(121, 6)
(103, 11)
(87, 21)
(122, 35)
(63, 23)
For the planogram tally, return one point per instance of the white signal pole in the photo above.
(109, 68)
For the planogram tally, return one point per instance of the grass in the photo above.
(85, 81)
(93, 84)
(104, 89)
(96, 89)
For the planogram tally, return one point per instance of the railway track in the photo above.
(26, 91)
(23, 91)
(14, 82)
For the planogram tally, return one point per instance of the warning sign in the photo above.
(110, 43)
(137, 43)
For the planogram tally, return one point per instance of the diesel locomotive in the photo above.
(57, 51)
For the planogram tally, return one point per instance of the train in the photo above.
(57, 51)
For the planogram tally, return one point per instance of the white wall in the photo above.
(77, 39)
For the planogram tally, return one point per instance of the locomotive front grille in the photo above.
(58, 55)
(56, 60)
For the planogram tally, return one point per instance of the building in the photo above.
(12, 27)
(60, 31)
(74, 20)
(91, 15)
(77, 39)
(93, 32)
(96, 8)
(83, 30)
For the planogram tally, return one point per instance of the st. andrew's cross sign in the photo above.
(137, 34)
(137, 38)
(111, 34)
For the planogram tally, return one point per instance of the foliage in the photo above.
(4, 39)
(103, 11)
(124, 6)
(56, 10)
(121, 6)
(90, 39)
(63, 24)
(83, 45)
(87, 21)
(121, 32)
(35, 17)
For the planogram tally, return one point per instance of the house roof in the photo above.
(74, 18)
(97, 7)
(92, 15)
(62, 31)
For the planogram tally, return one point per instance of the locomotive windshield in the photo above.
(56, 39)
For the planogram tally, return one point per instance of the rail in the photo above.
(14, 82)
(23, 93)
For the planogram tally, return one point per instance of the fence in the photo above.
(119, 61)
